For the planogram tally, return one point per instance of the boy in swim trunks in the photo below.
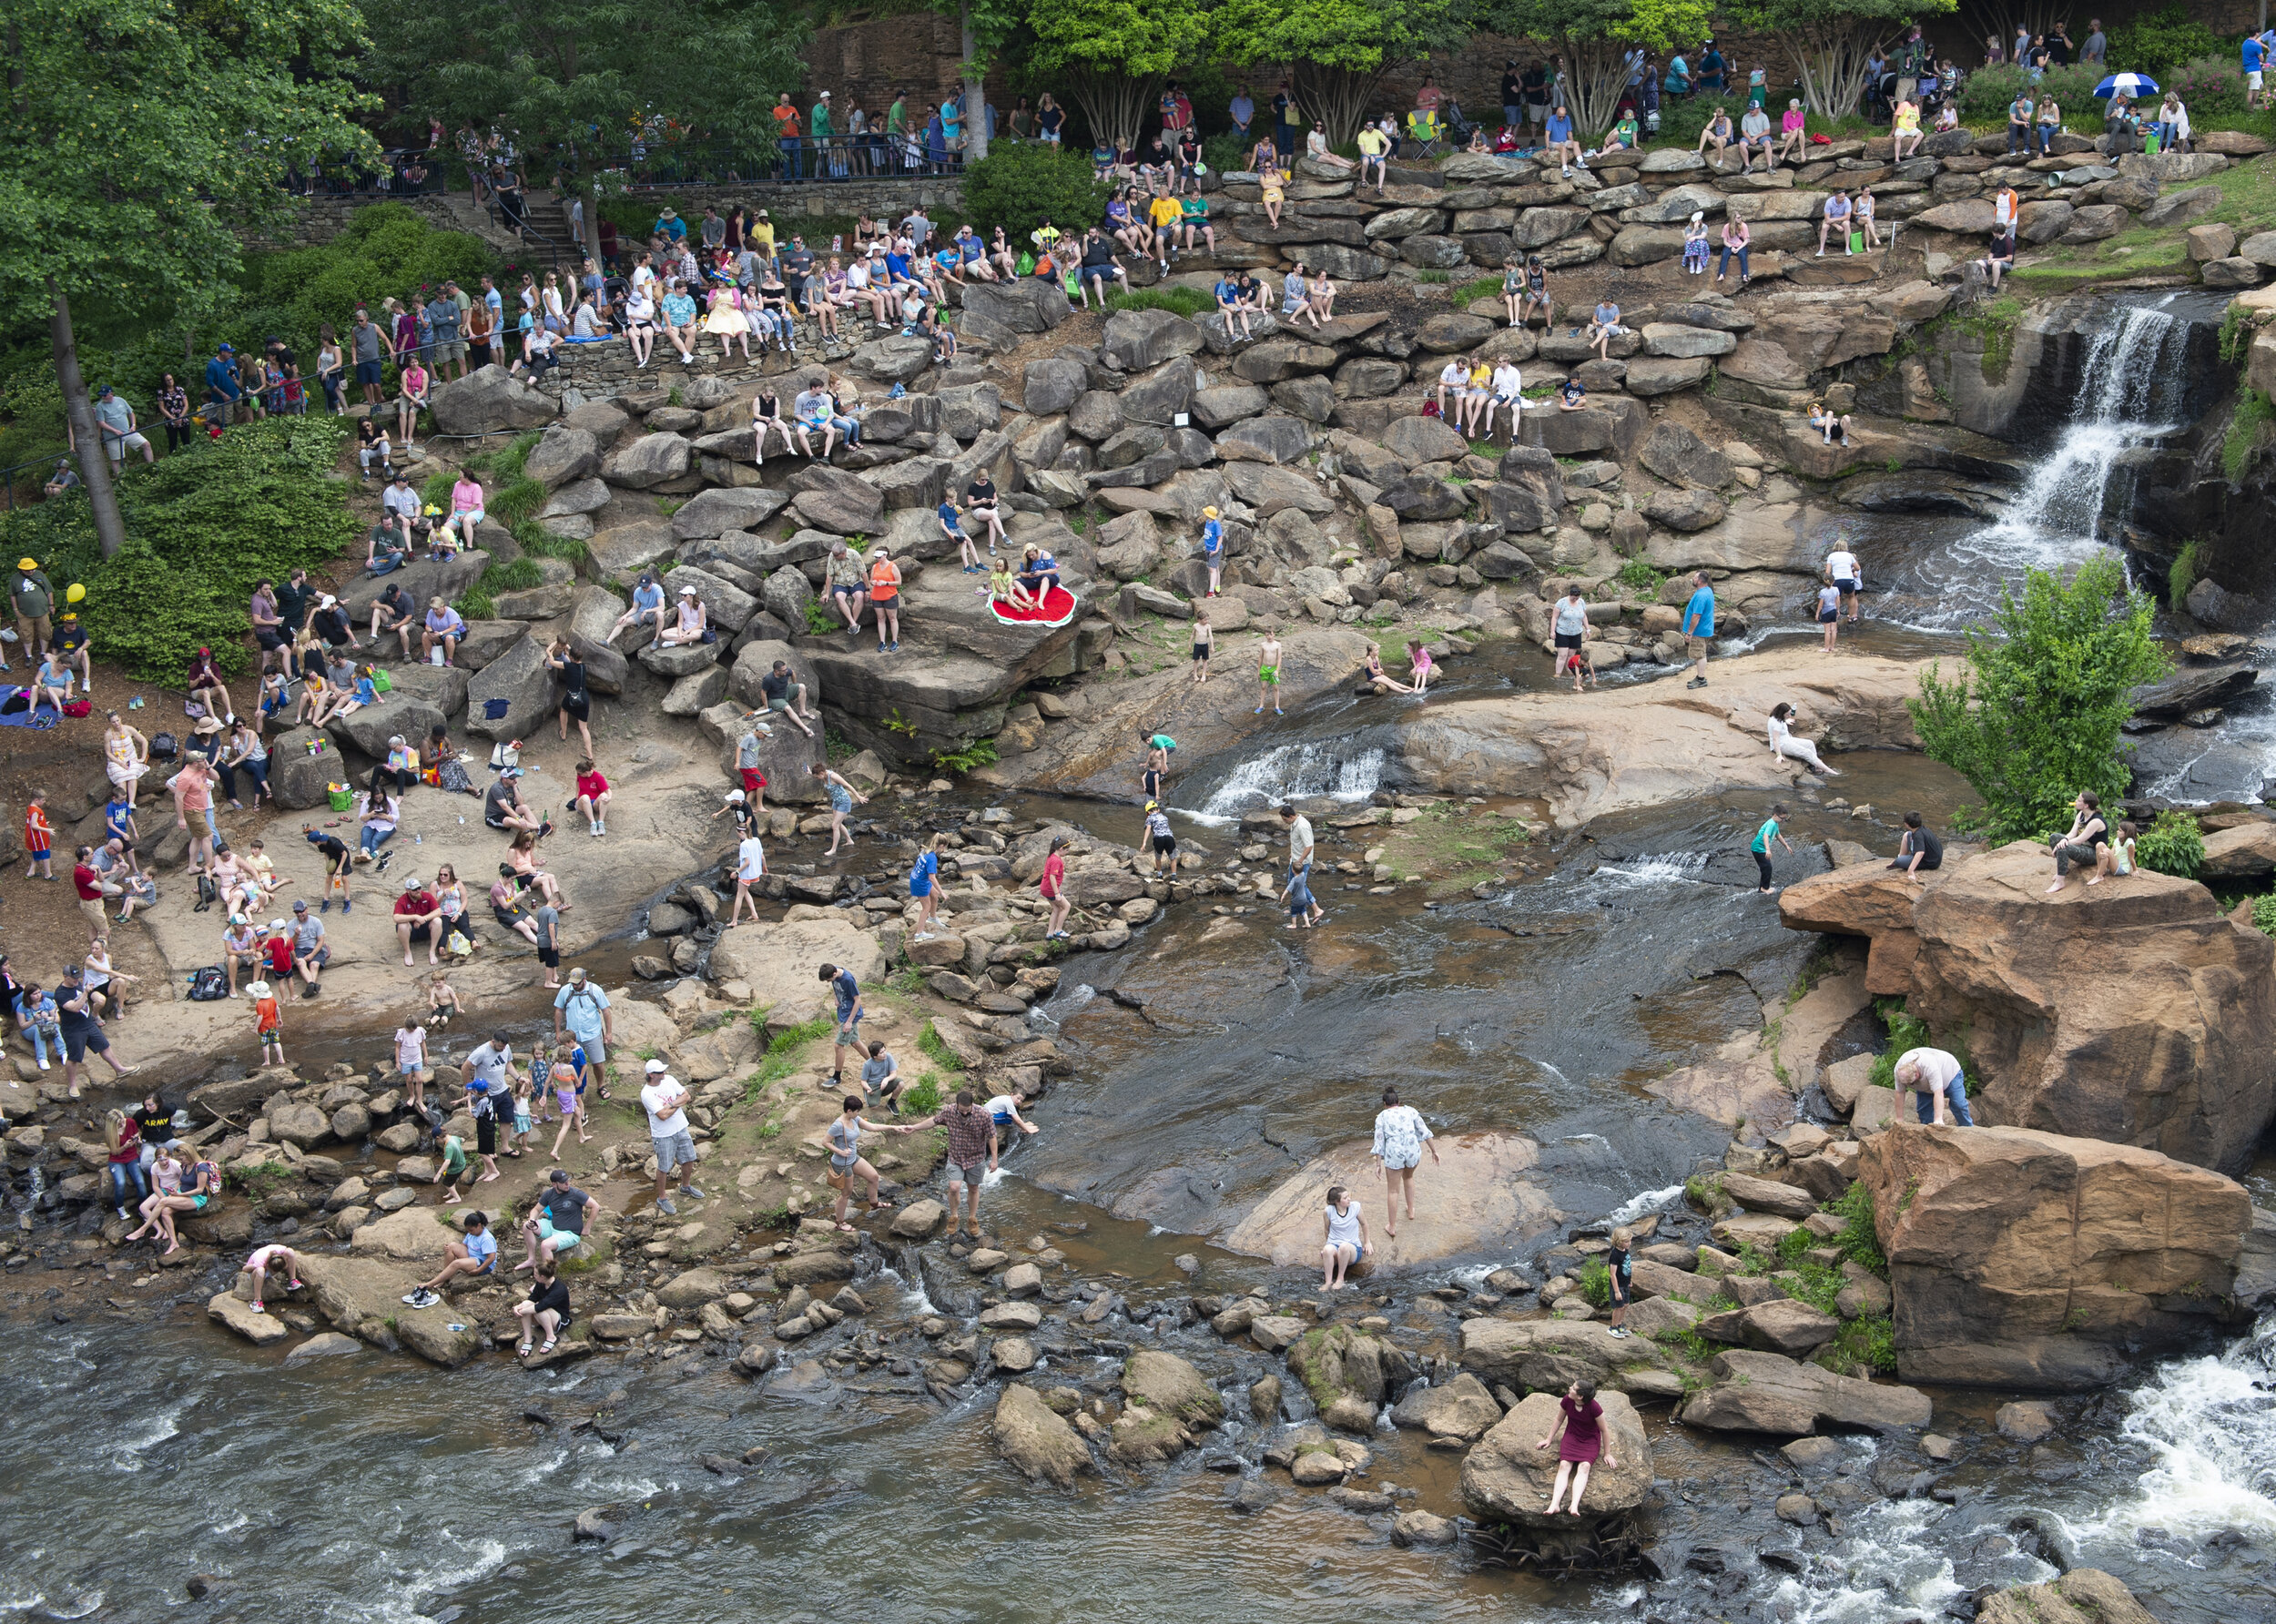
(1268, 674)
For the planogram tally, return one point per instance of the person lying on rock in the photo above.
(1580, 1428)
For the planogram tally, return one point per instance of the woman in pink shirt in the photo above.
(1792, 137)
(466, 507)
(413, 400)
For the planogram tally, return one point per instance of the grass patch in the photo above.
(929, 1045)
(1184, 301)
(2248, 203)
(782, 1053)
(1484, 288)
(1869, 1339)
(1860, 1243)
(1642, 579)
(258, 1180)
(2248, 426)
(1452, 850)
(922, 1097)
(2181, 574)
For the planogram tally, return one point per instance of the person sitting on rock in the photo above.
(1828, 423)
(1835, 219)
(1572, 395)
(1754, 135)
(474, 1256)
(690, 621)
(1906, 129)
(1604, 326)
(1580, 1427)
(2081, 846)
(1793, 132)
(1999, 257)
(1230, 305)
(1716, 135)
(1918, 850)
(2117, 856)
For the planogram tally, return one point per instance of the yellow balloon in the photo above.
(74, 593)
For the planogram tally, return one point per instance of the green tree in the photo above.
(1021, 184)
(1830, 40)
(1340, 49)
(582, 76)
(140, 139)
(1594, 37)
(1112, 56)
(2034, 717)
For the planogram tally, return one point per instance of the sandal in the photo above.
(548, 1348)
(524, 1351)
(880, 1206)
(847, 1228)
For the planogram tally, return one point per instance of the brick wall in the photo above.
(867, 64)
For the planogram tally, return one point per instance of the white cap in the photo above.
(656, 1068)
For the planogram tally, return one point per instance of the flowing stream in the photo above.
(372, 1489)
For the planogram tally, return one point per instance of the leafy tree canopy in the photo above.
(1113, 55)
(2034, 716)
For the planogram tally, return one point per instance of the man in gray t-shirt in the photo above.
(115, 421)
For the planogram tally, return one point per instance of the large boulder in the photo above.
(2082, 1596)
(1760, 1392)
(2133, 1011)
(1137, 340)
(488, 401)
(1681, 456)
(836, 501)
(1348, 1374)
(369, 729)
(508, 697)
(779, 961)
(1460, 1409)
(1506, 1479)
(1169, 1386)
(1549, 1356)
(730, 607)
(1027, 304)
(1417, 440)
(650, 459)
(2022, 1259)
(423, 578)
(712, 513)
(562, 454)
(1034, 1438)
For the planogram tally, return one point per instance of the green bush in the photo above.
(1596, 1281)
(387, 248)
(1906, 1032)
(1226, 153)
(922, 1097)
(1860, 1243)
(2209, 86)
(1021, 186)
(929, 1045)
(2172, 844)
(2157, 41)
(203, 526)
(1641, 578)
(2181, 574)
(2035, 714)
(1181, 301)
(2264, 915)
(1987, 93)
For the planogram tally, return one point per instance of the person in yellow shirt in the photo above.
(1165, 214)
(1375, 152)
(1477, 399)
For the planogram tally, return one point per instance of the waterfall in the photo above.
(1293, 772)
(2133, 370)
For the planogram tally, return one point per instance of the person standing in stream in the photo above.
(847, 1163)
(1620, 1267)
(1400, 1138)
(971, 1131)
(1699, 626)
(1764, 838)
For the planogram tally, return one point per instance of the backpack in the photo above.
(208, 892)
(207, 983)
(164, 747)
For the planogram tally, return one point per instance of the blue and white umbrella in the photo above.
(2127, 85)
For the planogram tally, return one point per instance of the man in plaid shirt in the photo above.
(971, 1131)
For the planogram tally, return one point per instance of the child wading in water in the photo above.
(1582, 1426)
(1765, 838)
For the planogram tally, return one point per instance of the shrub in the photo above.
(2264, 915)
(1641, 578)
(2172, 844)
(1986, 94)
(1596, 1281)
(2157, 41)
(2209, 86)
(204, 525)
(1860, 1243)
(922, 1097)
(1224, 154)
(1021, 184)
(1182, 301)
(2181, 574)
(385, 250)
(2035, 715)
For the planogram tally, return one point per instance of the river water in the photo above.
(372, 1488)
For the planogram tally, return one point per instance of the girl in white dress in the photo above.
(1783, 742)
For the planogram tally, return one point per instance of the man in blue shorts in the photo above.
(847, 992)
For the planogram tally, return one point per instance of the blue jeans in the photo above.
(42, 1035)
(1955, 1097)
(1724, 264)
(126, 1180)
(791, 157)
(373, 838)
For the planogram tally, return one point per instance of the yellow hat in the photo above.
(27, 564)
(1209, 512)
(74, 593)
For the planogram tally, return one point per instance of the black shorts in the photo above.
(1826, 617)
(486, 1136)
(1619, 1293)
(422, 931)
(1201, 651)
(1568, 639)
(78, 1040)
(1846, 585)
(1152, 782)
(368, 371)
(1163, 845)
(843, 590)
(549, 957)
(578, 704)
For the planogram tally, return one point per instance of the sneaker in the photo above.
(691, 1192)
(422, 1298)
(1697, 682)
(325, 906)
(664, 1205)
(347, 906)
(895, 646)
(1620, 1331)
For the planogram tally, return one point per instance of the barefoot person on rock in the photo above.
(1345, 1239)
(1400, 1138)
(847, 1163)
(1582, 1428)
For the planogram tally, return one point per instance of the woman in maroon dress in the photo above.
(1582, 1426)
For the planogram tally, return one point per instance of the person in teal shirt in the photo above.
(819, 131)
(952, 120)
(1699, 626)
(1763, 839)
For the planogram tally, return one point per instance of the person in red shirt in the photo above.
(279, 947)
(592, 797)
(417, 911)
(1054, 888)
(39, 838)
(90, 886)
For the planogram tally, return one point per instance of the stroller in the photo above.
(1458, 128)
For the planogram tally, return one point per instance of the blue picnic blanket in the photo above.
(15, 709)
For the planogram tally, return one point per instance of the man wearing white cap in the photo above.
(665, 1102)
